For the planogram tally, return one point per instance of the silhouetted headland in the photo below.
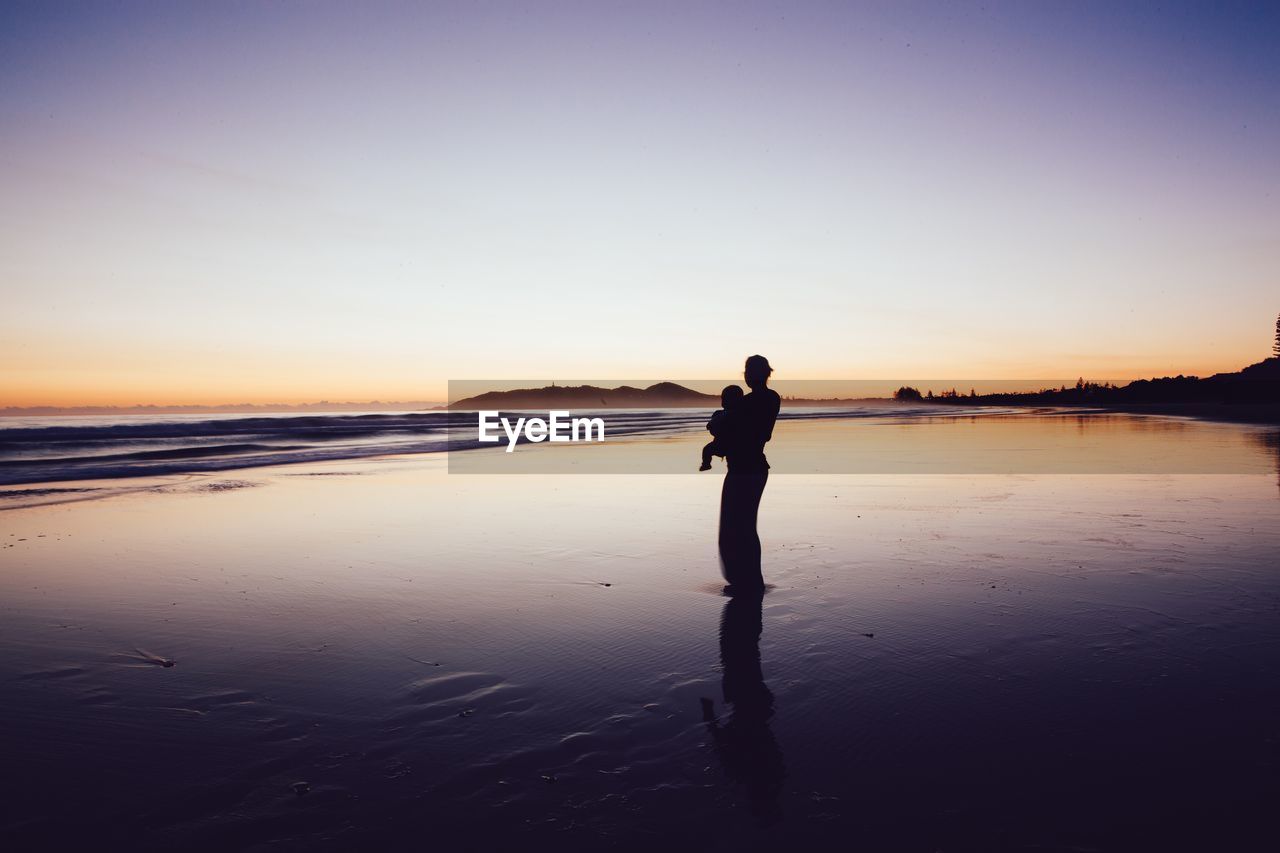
(662, 395)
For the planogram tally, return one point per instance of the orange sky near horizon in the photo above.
(179, 384)
(89, 373)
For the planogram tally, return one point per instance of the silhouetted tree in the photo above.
(1275, 350)
(907, 394)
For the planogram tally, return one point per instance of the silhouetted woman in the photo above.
(751, 425)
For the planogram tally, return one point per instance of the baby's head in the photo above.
(730, 396)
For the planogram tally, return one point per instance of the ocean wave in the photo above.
(37, 450)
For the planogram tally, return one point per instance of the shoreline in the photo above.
(1008, 442)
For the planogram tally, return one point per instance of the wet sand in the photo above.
(378, 654)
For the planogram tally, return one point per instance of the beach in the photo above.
(379, 653)
(639, 428)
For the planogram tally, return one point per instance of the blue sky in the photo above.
(207, 203)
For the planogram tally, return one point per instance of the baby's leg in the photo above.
(707, 452)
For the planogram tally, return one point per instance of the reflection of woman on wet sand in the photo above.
(744, 742)
(749, 426)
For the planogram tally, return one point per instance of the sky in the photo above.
(251, 202)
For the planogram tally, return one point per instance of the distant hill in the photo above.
(663, 395)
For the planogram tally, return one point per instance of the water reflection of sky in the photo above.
(1270, 439)
(1023, 443)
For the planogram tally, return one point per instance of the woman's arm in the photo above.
(723, 424)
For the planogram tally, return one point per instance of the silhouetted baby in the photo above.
(730, 397)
